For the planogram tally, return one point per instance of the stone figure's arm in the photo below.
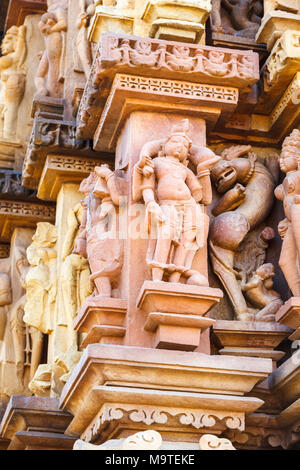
(40, 78)
(68, 244)
(194, 185)
(141, 181)
(232, 199)
(279, 193)
(251, 284)
(21, 50)
(204, 159)
(111, 180)
(62, 23)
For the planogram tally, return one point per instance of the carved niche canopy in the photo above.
(18, 9)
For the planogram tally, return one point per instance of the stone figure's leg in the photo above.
(103, 286)
(19, 340)
(223, 262)
(267, 314)
(37, 346)
(288, 262)
(216, 16)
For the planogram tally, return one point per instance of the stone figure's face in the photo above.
(288, 160)
(224, 176)
(8, 44)
(177, 146)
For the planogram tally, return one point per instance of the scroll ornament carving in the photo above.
(41, 279)
(50, 74)
(150, 415)
(12, 79)
(174, 198)
(152, 440)
(211, 442)
(145, 440)
(237, 234)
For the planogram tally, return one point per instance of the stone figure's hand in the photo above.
(106, 209)
(103, 171)
(208, 164)
(154, 209)
(240, 189)
(282, 227)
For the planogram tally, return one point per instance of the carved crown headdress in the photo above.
(183, 128)
(292, 140)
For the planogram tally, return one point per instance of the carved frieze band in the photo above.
(156, 58)
(27, 209)
(149, 415)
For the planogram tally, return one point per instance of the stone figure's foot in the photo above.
(198, 279)
(246, 316)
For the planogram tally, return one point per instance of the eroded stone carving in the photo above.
(82, 52)
(99, 228)
(236, 252)
(50, 74)
(5, 300)
(75, 268)
(28, 341)
(12, 79)
(41, 279)
(172, 192)
(289, 193)
(236, 17)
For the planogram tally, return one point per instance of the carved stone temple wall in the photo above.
(150, 225)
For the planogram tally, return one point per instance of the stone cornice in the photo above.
(154, 58)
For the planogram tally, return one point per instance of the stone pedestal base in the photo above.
(115, 391)
(175, 313)
(254, 339)
(289, 314)
(102, 318)
(35, 423)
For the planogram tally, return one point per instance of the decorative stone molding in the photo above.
(49, 136)
(168, 416)
(283, 61)
(132, 93)
(59, 169)
(159, 59)
(22, 214)
(32, 423)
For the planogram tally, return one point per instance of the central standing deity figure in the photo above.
(175, 197)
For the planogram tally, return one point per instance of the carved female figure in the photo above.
(50, 75)
(41, 279)
(83, 53)
(289, 228)
(12, 78)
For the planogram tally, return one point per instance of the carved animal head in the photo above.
(232, 168)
